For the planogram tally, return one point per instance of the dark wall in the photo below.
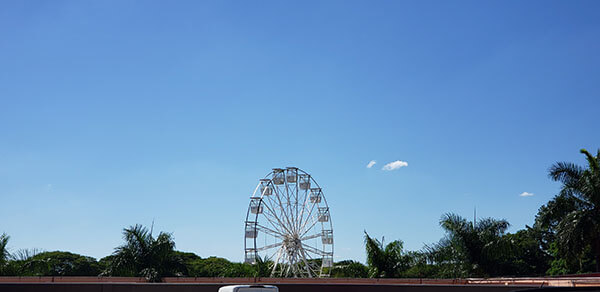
(157, 287)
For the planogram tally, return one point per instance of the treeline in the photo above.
(142, 255)
(564, 239)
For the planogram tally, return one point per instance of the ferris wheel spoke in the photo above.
(294, 266)
(311, 236)
(275, 226)
(313, 266)
(290, 208)
(296, 202)
(282, 208)
(270, 231)
(269, 246)
(314, 250)
(289, 266)
(302, 212)
(278, 226)
(299, 209)
(295, 206)
(312, 224)
(306, 264)
(308, 217)
(289, 205)
(281, 224)
(299, 212)
(276, 262)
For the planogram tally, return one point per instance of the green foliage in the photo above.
(187, 256)
(562, 264)
(474, 245)
(218, 267)
(385, 261)
(142, 255)
(419, 266)
(522, 255)
(577, 231)
(263, 267)
(105, 263)
(4, 254)
(56, 263)
(447, 258)
(558, 266)
(349, 269)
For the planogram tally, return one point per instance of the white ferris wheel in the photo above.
(288, 222)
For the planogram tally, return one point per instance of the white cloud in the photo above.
(395, 165)
(526, 194)
(371, 163)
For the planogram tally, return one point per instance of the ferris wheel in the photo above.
(288, 224)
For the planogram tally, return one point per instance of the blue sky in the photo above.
(124, 112)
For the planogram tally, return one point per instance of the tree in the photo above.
(447, 258)
(422, 267)
(550, 215)
(220, 267)
(385, 261)
(57, 263)
(523, 254)
(546, 224)
(349, 269)
(263, 267)
(4, 254)
(579, 230)
(187, 257)
(478, 242)
(145, 256)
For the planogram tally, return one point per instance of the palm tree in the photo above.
(479, 242)
(447, 258)
(145, 256)
(263, 267)
(4, 255)
(385, 261)
(580, 228)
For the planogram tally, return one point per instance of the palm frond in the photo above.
(375, 255)
(566, 172)
(580, 227)
(592, 161)
(574, 230)
(453, 223)
(4, 254)
(25, 254)
(137, 237)
(143, 255)
(492, 226)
